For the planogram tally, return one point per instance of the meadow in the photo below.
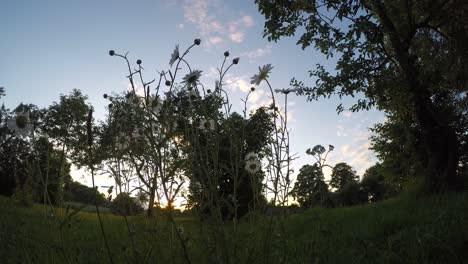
(405, 229)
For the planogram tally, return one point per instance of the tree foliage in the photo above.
(342, 174)
(310, 188)
(408, 58)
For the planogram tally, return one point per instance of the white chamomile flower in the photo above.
(253, 166)
(262, 74)
(285, 91)
(251, 156)
(207, 125)
(20, 125)
(174, 55)
(192, 77)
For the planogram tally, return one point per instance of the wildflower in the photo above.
(251, 156)
(235, 61)
(207, 125)
(20, 125)
(192, 77)
(285, 91)
(331, 147)
(174, 55)
(252, 166)
(262, 74)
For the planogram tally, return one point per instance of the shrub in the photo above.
(123, 204)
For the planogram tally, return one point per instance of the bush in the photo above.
(77, 192)
(123, 204)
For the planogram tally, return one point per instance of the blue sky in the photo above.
(49, 47)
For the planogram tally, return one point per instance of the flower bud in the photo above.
(252, 89)
(138, 62)
(197, 41)
(235, 61)
(208, 91)
(168, 83)
(226, 53)
(111, 52)
(105, 96)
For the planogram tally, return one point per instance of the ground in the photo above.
(406, 229)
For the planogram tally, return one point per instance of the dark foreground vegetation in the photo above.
(405, 229)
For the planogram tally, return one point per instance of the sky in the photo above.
(49, 47)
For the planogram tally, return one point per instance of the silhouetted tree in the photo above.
(342, 173)
(373, 183)
(404, 56)
(310, 188)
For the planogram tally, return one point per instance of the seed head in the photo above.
(235, 61)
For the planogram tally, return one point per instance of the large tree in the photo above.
(341, 175)
(402, 55)
(310, 188)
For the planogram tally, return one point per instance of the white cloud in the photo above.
(196, 12)
(340, 131)
(210, 20)
(180, 26)
(260, 52)
(248, 21)
(237, 37)
(215, 40)
(347, 114)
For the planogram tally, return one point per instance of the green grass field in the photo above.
(406, 229)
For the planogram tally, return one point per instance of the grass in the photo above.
(406, 229)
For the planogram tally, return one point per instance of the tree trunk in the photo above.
(149, 212)
(441, 147)
(439, 138)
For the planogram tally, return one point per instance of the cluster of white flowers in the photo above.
(252, 163)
